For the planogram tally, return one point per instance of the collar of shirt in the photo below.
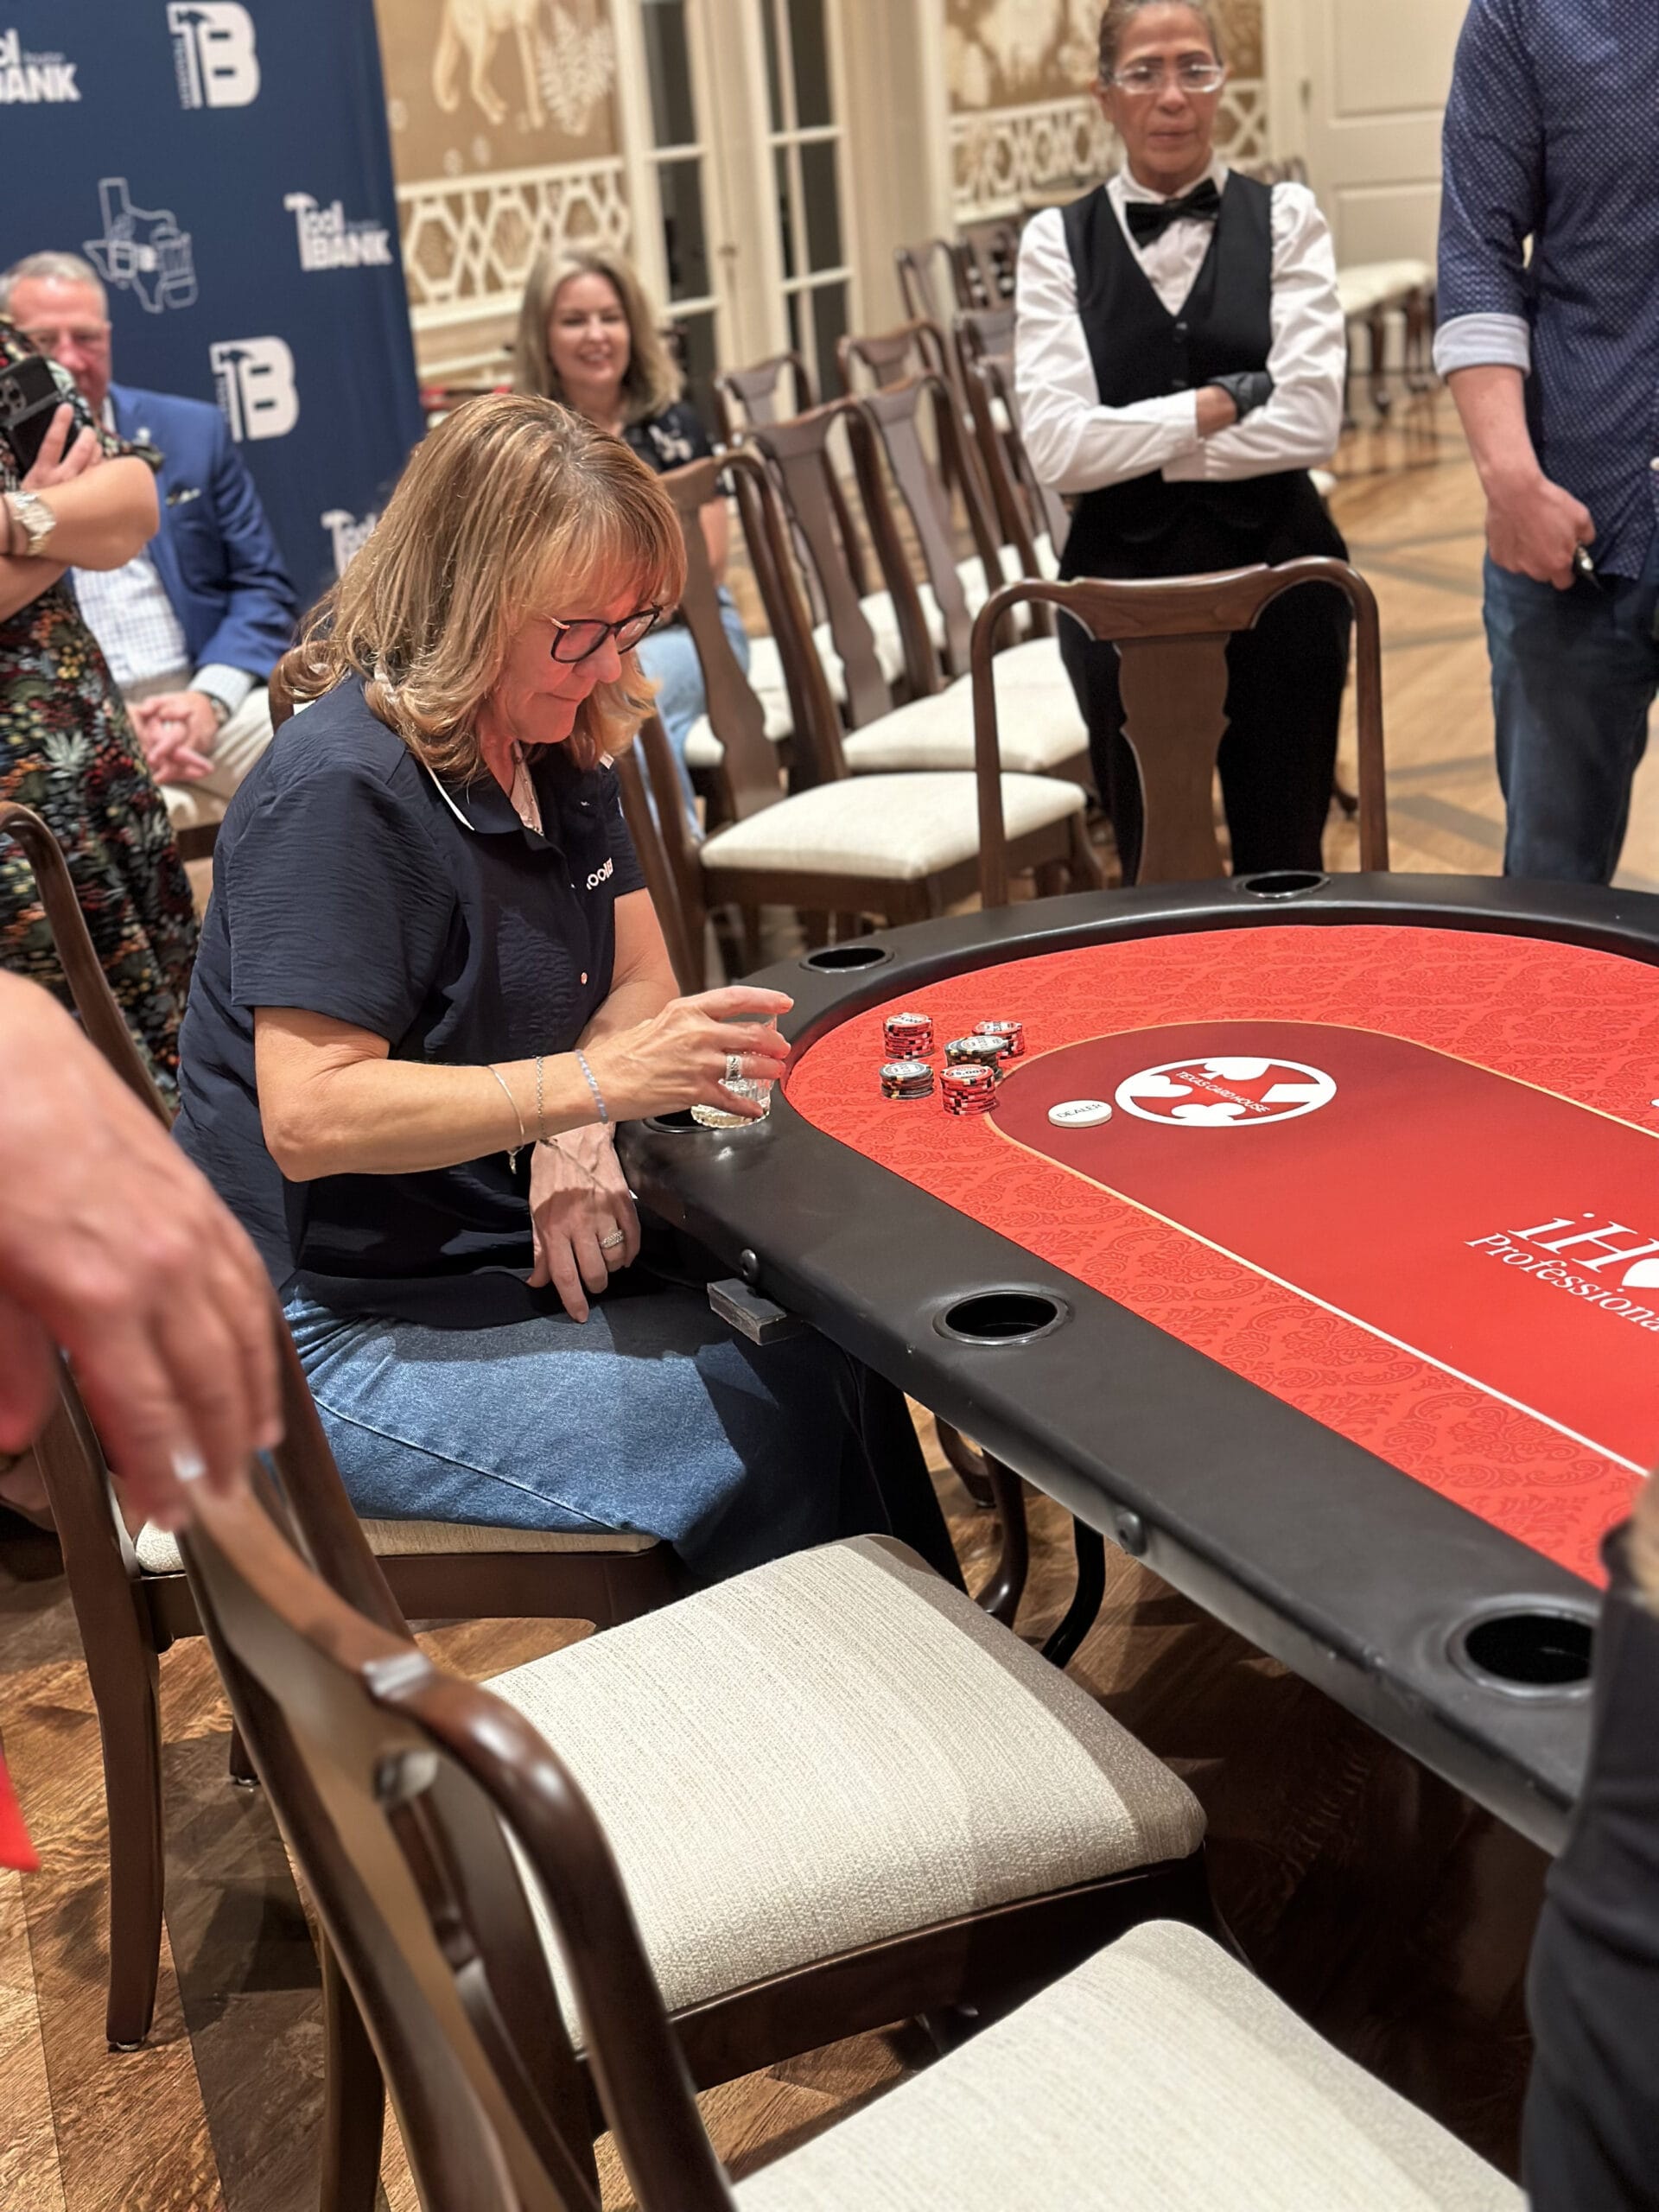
(483, 806)
(1125, 186)
(1172, 260)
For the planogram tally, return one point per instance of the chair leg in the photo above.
(1002, 1595)
(1382, 396)
(1082, 1613)
(354, 2100)
(241, 1766)
(127, 1697)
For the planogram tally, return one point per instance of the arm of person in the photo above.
(102, 518)
(1075, 444)
(114, 1247)
(1492, 201)
(1300, 422)
(70, 475)
(579, 1196)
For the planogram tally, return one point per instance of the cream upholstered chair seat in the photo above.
(899, 829)
(1159, 2077)
(833, 1750)
(1367, 284)
(158, 1552)
(1040, 727)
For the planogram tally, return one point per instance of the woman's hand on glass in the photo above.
(681, 1056)
(583, 1215)
(60, 458)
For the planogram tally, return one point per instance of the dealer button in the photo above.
(1079, 1113)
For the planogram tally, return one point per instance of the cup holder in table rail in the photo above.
(676, 1125)
(1281, 883)
(1004, 1315)
(1542, 1650)
(847, 959)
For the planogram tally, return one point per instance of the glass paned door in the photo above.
(806, 146)
(677, 154)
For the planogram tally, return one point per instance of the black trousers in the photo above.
(1278, 759)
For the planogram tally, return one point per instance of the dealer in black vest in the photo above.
(1180, 357)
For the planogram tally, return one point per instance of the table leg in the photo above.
(1002, 1595)
(1082, 1612)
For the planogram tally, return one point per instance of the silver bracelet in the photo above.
(541, 1111)
(513, 1150)
(599, 1096)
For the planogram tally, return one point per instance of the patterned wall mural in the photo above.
(505, 136)
(1022, 123)
(1022, 52)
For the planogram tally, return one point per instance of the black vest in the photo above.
(1149, 527)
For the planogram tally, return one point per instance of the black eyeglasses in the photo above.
(576, 640)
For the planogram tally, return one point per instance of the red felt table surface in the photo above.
(1349, 1239)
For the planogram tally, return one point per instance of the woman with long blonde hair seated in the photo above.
(588, 337)
(431, 984)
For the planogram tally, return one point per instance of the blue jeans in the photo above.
(670, 659)
(1573, 674)
(650, 1415)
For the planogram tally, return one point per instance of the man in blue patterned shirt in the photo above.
(1549, 340)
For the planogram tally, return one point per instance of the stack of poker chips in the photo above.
(1012, 1035)
(908, 1036)
(906, 1079)
(977, 1052)
(967, 1088)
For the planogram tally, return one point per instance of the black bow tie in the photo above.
(1150, 219)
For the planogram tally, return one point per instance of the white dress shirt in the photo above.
(1076, 445)
(128, 611)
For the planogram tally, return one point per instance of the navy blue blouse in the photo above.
(348, 881)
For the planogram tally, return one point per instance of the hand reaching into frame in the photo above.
(113, 1247)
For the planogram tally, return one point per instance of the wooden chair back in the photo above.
(750, 395)
(990, 379)
(735, 715)
(746, 397)
(980, 331)
(899, 414)
(918, 267)
(801, 454)
(662, 873)
(1172, 635)
(399, 1786)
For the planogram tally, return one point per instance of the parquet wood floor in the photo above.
(1394, 1914)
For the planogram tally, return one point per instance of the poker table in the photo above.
(1310, 1253)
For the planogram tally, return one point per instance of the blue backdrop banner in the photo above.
(225, 164)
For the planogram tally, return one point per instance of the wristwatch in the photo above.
(35, 519)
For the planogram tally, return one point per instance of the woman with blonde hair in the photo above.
(588, 337)
(431, 983)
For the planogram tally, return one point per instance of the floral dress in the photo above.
(67, 750)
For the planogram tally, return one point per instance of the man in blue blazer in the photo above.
(194, 626)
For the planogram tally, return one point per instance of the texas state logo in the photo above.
(1226, 1093)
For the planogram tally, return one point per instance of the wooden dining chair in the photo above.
(837, 1794)
(497, 1916)
(1172, 635)
(901, 846)
(128, 1588)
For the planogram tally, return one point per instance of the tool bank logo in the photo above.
(28, 80)
(1598, 1263)
(1227, 1093)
